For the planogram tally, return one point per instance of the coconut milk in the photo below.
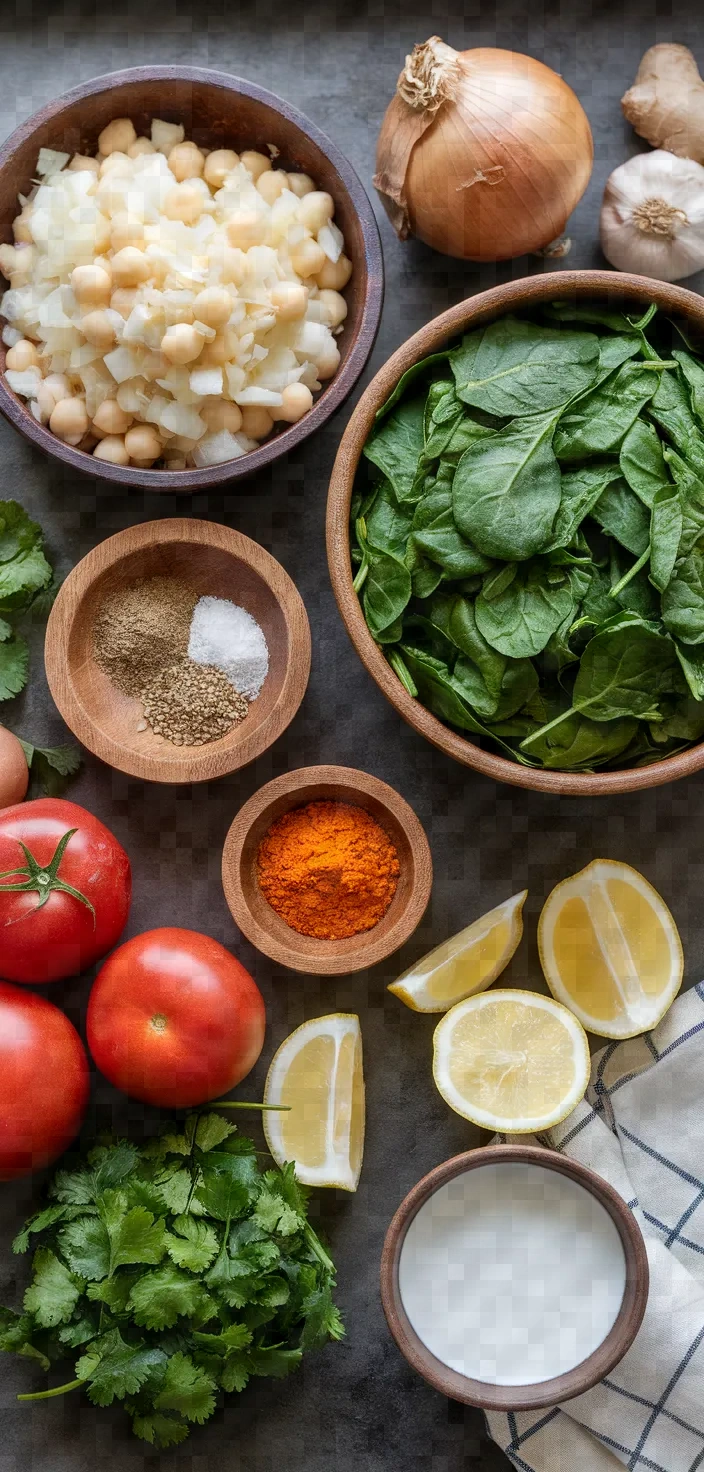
(512, 1273)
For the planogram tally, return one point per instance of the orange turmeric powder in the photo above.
(328, 869)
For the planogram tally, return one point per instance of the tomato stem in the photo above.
(42, 879)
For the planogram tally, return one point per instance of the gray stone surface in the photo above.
(356, 1405)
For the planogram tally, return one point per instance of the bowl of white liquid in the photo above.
(513, 1278)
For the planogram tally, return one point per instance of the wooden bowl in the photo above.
(546, 1392)
(619, 291)
(218, 111)
(266, 930)
(215, 561)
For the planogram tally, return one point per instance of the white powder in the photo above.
(228, 637)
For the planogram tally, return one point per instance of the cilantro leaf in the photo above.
(235, 1371)
(272, 1213)
(322, 1319)
(134, 1235)
(40, 1222)
(235, 1336)
(232, 1278)
(275, 1361)
(222, 1195)
(51, 767)
(74, 1187)
(161, 1431)
(114, 1292)
(211, 1130)
(187, 1389)
(114, 1369)
(175, 1185)
(86, 1246)
(14, 663)
(18, 533)
(54, 1293)
(159, 1298)
(113, 1164)
(16, 1336)
(195, 1246)
(78, 1332)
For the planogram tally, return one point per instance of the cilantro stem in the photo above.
(314, 1243)
(245, 1104)
(57, 1390)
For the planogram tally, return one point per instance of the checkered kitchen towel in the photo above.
(642, 1128)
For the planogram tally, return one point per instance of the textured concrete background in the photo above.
(354, 1406)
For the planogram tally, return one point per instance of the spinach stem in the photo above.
(401, 669)
(49, 1394)
(550, 727)
(623, 582)
(361, 577)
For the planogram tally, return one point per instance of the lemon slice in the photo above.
(511, 1060)
(610, 949)
(465, 964)
(317, 1071)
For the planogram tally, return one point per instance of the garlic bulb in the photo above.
(652, 216)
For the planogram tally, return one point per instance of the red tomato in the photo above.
(174, 1019)
(43, 1082)
(61, 908)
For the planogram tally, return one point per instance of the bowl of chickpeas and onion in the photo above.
(155, 362)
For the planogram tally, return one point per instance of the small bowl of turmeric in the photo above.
(327, 870)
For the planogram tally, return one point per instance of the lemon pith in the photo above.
(317, 1073)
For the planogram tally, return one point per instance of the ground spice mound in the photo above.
(141, 629)
(191, 704)
(328, 869)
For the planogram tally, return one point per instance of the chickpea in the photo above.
(117, 164)
(91, 284)
(111, 419)
(308, 258)
(142, 443)
(221, 414)
(233, 265)
(218, 165)
(315, 210)
(213, 306)
(22, 356)
(255, 163)
(123, 300)
(112, 449)
(181, 343)
(69, 420)
(328, 362)
(20, 227)
(140, 146)
(130, 267)
(297, 400)
(256, 422)
(300, 185)
(335, 307)
(245, 228)
(184, 202)
(81, 163)
(186, 161)
(216, 353)
(271, 184)
(51, 391)
(118, 136)
(125, 232)
(289, 300)
(334, 275)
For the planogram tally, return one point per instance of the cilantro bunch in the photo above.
(25, 575)
(177, 1271)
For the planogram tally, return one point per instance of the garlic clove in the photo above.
(652, 216)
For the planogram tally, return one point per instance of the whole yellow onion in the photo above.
(482, 154)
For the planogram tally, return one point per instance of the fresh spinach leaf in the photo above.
(600, 421)
(671, 409)
(683, 598)
(579, 491)
(521, 620)
(417, 370)
(506, 490)
(665, 535)
(396, 447)
(642, 461)
(388, 524)
(693, 374)
(620, 514)
(512, 368)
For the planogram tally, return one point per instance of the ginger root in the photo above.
(666, 102)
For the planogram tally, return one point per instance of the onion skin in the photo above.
(493, 173)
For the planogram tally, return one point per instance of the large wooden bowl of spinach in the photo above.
(516, 532)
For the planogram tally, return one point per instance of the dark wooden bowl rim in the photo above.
(546, 1392)
(338, 388)
(556, 286)
(268, 931)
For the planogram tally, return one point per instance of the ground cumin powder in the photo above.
(328, 869)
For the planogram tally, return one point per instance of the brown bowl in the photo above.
(619, 291)
(547, 1392)
(261, 924)
(218, 111)
(217, 562)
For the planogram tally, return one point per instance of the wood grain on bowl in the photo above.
(217, 111)
(215, 561)
(618, 291)
(546, 1392)
(261, 924)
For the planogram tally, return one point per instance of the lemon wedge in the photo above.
(317, 1072)
(610, 949)
(512, 1061)
(465, 964)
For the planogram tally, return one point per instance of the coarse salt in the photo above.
(225, 635)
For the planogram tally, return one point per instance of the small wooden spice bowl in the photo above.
(546, 1392)
(218, 111)
(261, 924)
(217, 562)
(618, 291)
